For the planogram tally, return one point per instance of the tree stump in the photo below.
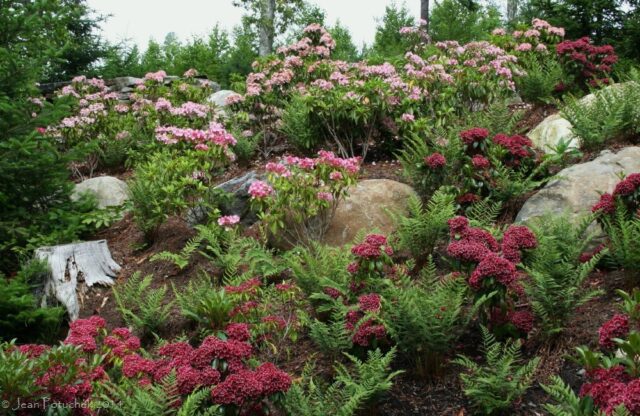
(74, 269)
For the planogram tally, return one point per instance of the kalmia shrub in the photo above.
(302, 194)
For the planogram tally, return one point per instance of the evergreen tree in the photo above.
(388, 40)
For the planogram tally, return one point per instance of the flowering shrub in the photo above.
(589, 64)
(626, 193)
(491, 271)
(302, 194)
(358, 105)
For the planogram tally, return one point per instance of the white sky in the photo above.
(140, 20)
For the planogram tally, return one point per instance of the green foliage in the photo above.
(494, 386)
(497, 118)
(463, 21)
(332, 338)
(296, 124)
(201, 301)
(613, 113)
(317, 266)
(345, 49)
(162, 398)
(623, 231)
(388, 40)
(20, 316)
(425, 318)
(142, 307)
(209, 237)
(351, 391)
(420, 231)
(541, 79)
(162, 187)
(484, 213)
(557, 276)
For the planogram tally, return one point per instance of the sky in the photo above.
(141, 20)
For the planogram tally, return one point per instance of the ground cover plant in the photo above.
(453, 309)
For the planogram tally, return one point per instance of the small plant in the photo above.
(142, 307)
(425, 319)
(332, 338)
(352, 391)
(558, 269)
(539, 84)
(319, 266)
(420, 231)
(201, 301)
(496, 385)
(569, 404)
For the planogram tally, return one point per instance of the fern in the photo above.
(420, 231)
(201, 301)
(425, 320)
(623, 231)
(181, 259)
(484, 213)
(497, 118)
(332, 338)
(493, 387)
(612, 113)
(556, 285)
(317, 266)
(351, 391)
(140, 306)
(538, 85)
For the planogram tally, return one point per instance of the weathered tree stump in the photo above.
(75, 268)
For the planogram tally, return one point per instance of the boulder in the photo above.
(237, 204)
(579, 187)
(120, 83)
(551, 131)
(109, 191)
(366, 208)
(219, 98)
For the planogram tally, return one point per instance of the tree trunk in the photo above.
(267, 26)
(75, 268)
(512, 10)
(424, 13)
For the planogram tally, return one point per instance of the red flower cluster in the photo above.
(519, 147)
(585, 257)
(612, 387)
(247, 385)
(475, 134)
(370, 302)
(523, 320)
(628, 190)
(238, 332)
(468, 198)
(493, 266)
(372, 247)
(250, 286)
(515, 239)
(364, 331)
(435, 161)
(480, 162)
(82, 332)
(616, 327)
(593, 63)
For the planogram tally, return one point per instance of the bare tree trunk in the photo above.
(424, 13)
(512, 10)
(267, 26)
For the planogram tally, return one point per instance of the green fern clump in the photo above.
(426, 319)
(420, 231)
(296, 124)
(538, 85)
(202, 302)
(496, 385)
(141, 306)
(614, 112)
(318, 266)
(497, 118)
(332, 338)
(557, 276)
(623, 231)
(350, 393)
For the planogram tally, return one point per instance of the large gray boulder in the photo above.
(579, 187)
(366, 209)
(109, 191)
(219, 98)
(120, 83)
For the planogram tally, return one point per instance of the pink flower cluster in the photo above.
(201, 139)
(228, 221)
(158, 76)
(260, 190)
